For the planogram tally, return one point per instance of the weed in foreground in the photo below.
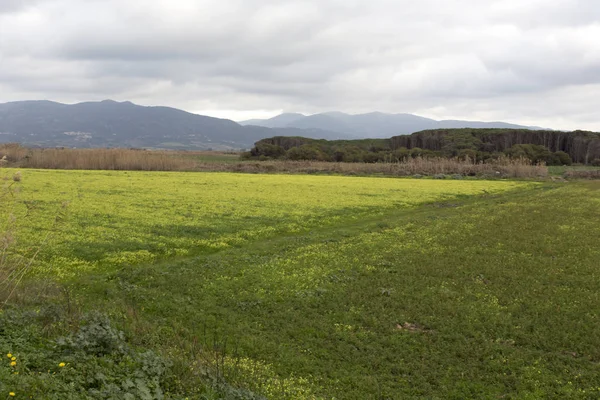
(94, 361)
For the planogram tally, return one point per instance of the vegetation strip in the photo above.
(550, 147)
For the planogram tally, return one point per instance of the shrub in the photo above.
(532, 152)
(467, 154)
(96, 337)
(371, 157)
(416, 152)
(596, 162)
(267, 150)
(401, 154)
(562, 158)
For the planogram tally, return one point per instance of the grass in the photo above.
(575, 172)
(124, 218)
(314, 287)
(556, 170)
(217, 157)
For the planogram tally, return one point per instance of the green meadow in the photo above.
(248, 286)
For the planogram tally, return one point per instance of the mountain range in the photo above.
(124, 124)
(371, 125)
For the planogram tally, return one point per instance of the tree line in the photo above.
(550, 147)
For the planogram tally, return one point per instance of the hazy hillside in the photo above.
(372, 125)
(280, 121)
(123, 124)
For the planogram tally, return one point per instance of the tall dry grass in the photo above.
(97, 159)
(583, 174)
(13, 152)
(505, 168)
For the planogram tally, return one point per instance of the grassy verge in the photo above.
(365, 288)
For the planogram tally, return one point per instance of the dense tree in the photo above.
(581, 146)
(551, 147)
(456, 142)
(306, 152)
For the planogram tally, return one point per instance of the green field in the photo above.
(561, 170)
(216, 157)
(315, 287)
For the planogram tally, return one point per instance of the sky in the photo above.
(533, 62)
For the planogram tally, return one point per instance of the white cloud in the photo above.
(525, 61)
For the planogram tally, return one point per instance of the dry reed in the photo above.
(504, 168)
(106, 159)
(583, 174)
(13, 152)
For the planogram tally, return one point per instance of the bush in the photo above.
(246, 155)
(401, 154)
(417, 152)
(267, 150)
(305, 152)
(467, 154)
(535, 153)
(96, 337)
(562, 158)
(371, 157)
(596, 162)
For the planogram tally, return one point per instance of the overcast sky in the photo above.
(534, 62)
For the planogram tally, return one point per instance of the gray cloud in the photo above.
(527, 61)
(9, 6)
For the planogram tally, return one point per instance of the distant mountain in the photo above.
(123, 124)
(372, 125)
(456, 124)
(279, 121)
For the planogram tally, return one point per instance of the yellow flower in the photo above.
(14, 358)
(12, 394)
(12, 364)
(61, 365)
(9, 355)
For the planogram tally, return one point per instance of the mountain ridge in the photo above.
(109, 123)
(375, 124)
